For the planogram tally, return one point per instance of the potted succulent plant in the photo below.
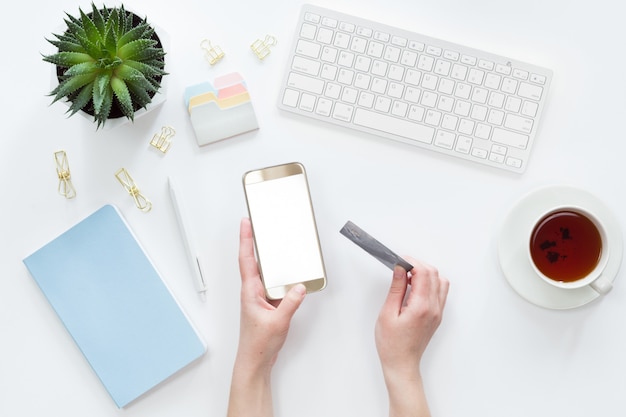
(109, 63)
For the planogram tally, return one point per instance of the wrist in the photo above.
(406, 396)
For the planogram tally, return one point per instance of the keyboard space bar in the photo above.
(398, 127)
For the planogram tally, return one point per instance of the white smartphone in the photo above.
(285, 233)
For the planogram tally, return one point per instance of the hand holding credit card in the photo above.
(373, 246)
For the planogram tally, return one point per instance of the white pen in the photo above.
(183, 225)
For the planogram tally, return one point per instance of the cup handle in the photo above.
(602, 285)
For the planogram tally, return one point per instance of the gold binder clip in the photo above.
(212, 53)
(162, 141)
(127, 182)
(261, 48)
(65, 188)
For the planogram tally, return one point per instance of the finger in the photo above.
(247, 262)
(292, 300)
(424, 283)
(397, 291)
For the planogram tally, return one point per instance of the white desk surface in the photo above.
(495, 354)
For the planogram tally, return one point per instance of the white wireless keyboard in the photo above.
(401, 85)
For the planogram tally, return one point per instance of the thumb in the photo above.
(292, 300)
(397, 291)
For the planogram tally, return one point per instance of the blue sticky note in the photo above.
(115, 305)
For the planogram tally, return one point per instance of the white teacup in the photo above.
(568, 248)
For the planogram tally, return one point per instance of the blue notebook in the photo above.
(115, 305)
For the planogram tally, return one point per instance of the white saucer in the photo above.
(513, 246)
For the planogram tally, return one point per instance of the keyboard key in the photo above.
(425, 63)
(503, 69)
(307, 66)
(479, 153)
(342, 40)
(459, 72)
(358, 45)
(381, 36)
(324, 107)
(307, 102)
(306, 83)
(445, 139)
(311, 17)
(463, 144)
(332, 90)
(382, 104)
(349, 95)
(327, 21)
(399, 108)
(521, 124)
(409, 58)
(347, 27)
(343, 112)
(308, 31)
(329, 54)
(362, 81)
(416, 46)
(394, 126)
(514, 162)
(467, 59)
(306, 48)
(329, 72)
(325, 36)
(366, 32)
(433, 50)
(432, 117)
(529, 108)
(451, 55)
(416, 113)
(392, 54)
(539, 79)
(521, 74)
(290, 98)
(475, 76)
(509, 138)
(375, 49)
(513, 104)
(530, 91)
(399, 41)
(366, 99)
(486, 65)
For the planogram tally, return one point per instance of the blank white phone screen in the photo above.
(284, 230)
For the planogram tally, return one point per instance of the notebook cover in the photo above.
(115, 305)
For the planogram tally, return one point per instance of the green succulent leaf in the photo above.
(82, 99)
(90, 28)
(67, 59)
(80, 69)
(98, 19)
(123, 96)
(145, 68)
(69, 85)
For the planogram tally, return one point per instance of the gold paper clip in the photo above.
(162, 141)
(261, 48)
(127, 182)
(65, 188)
(212, 53)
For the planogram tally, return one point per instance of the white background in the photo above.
(495, 354)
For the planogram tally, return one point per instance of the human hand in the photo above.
(407, 321)
(263, 329)
(264, 324)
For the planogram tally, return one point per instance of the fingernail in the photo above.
(300, 289)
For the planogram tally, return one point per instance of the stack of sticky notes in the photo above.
(220, 110)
